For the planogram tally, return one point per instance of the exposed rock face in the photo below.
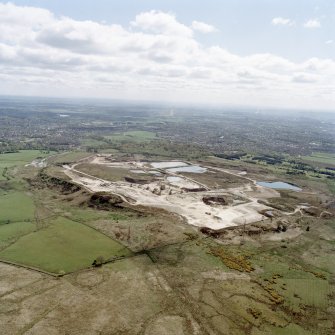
(313, 211)
(199, 189)
(326, 215)
(64, 186)
(105, 201)
(281, 228)
(252, 230)
(210, 232)
(275, 203)
(136, 180)
(214, 200)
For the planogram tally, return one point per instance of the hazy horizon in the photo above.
(260, 55)
(109, 102)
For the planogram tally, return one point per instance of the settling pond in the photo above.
(175, 166)
(173, 179)
(189, 168)
(165, 165)
(279, 185)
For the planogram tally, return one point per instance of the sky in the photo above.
(260, 53)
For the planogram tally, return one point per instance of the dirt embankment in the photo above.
(62, 185)
(279, 204)
(216, 200)
(199, 189)
(139, 181)
(252, 230)
(105, 201)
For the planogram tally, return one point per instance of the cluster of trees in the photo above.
(231, 156)
(300, 168)
(7, 148)
(273, 160)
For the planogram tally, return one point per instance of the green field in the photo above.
(87, 215)
(91, 142)
(161, 148)
(320, 157)
(12, 231)
(16, 206)
(291, 329)
(69, 157)
(21, 157)
(18, 159)
(64, 246)
(314, 292)
(135, 136)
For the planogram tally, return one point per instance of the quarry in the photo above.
(165, 185)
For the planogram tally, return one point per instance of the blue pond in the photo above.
(279, 185)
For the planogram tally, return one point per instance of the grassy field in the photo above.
(291, 329)
(295, 283)
(12, 231)
(91, 142)
(135, 136)
(64, 246)
(320, 157)
(70, 157)
(161, 149)
(87, 214)
(16, 206)
(20, 158)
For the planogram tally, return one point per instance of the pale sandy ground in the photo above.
(92, 302)
(38, 163)
(187, 204)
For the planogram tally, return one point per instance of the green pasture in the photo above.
(20, 158)
(320, 157)
(91, 142)
(63, 246)
(16, 206)
(70, 157)
(12, 231)
(135, 136)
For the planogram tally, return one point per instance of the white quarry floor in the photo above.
(187, 204)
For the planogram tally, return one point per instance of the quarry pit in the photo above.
(167, 187)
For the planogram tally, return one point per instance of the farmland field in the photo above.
(63, 246)
(10, 160)
(321, 157)
(69, 157)
(135, 136)
(12, 231)
(21, 157)
(16, 206)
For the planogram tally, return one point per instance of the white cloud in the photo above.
(280, 21)
(157, 57)
(312, 23)
(329, 42)
(304, 78)
(161, 23)
(203, 27)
